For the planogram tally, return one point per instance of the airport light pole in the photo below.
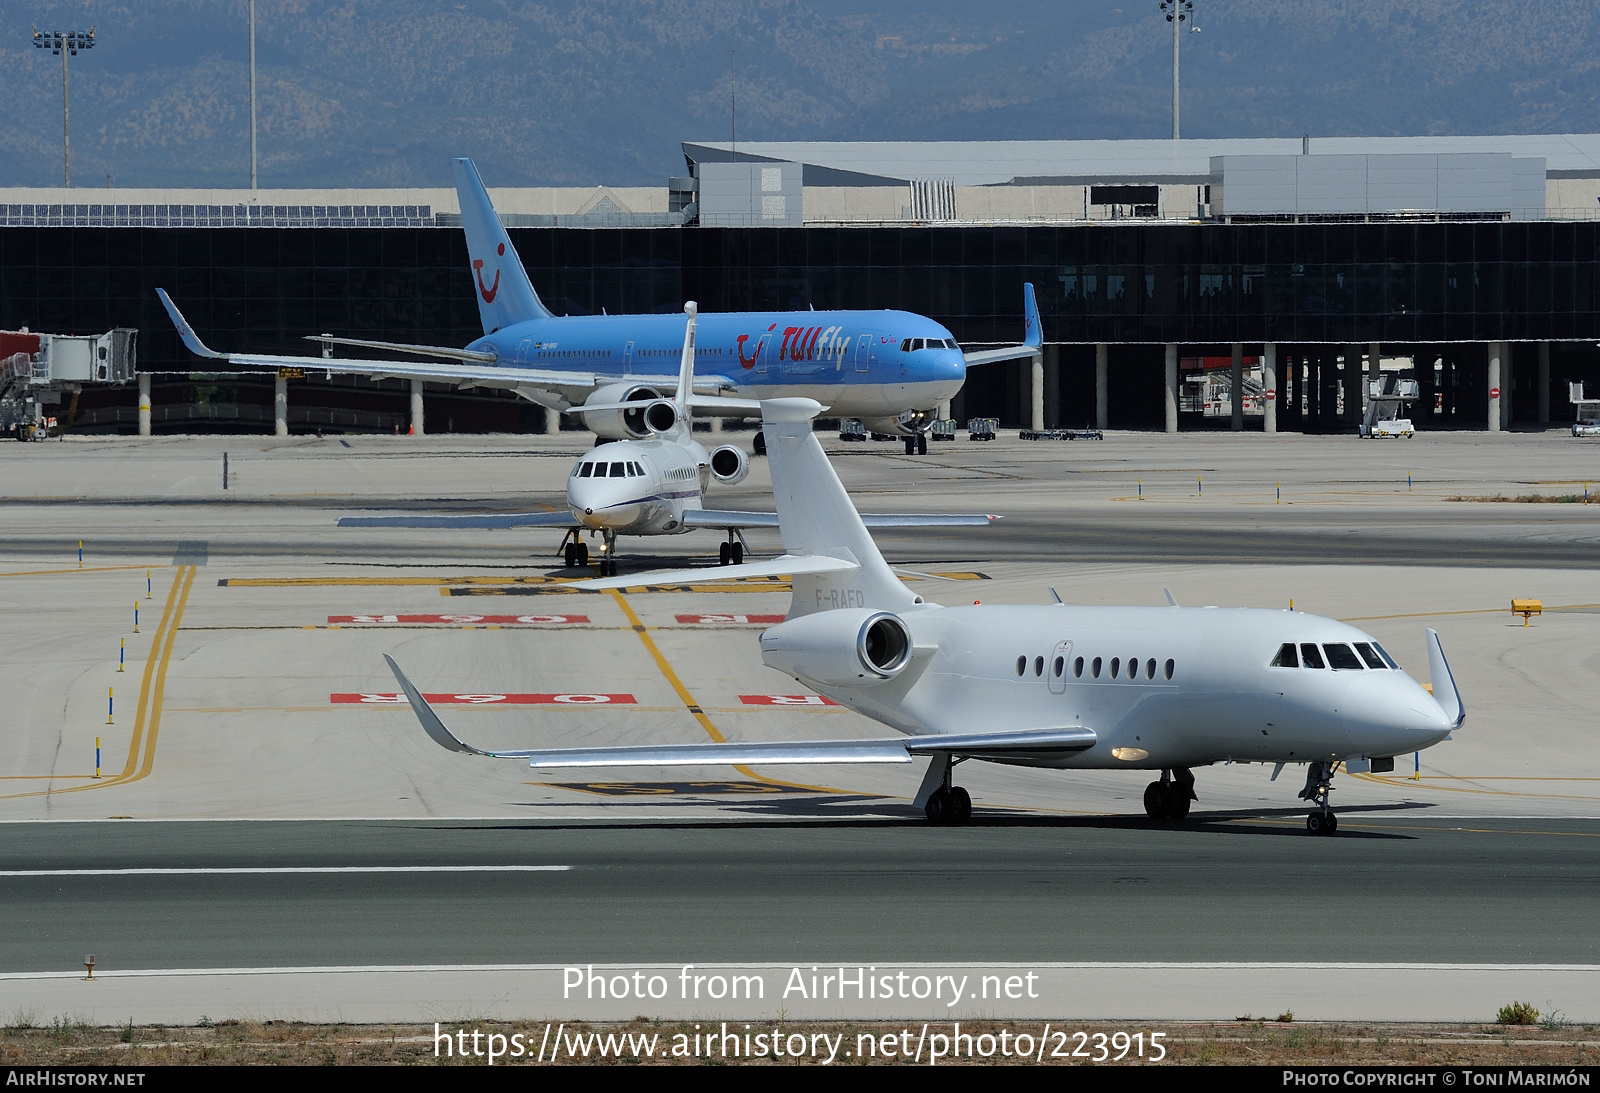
(252, 95)
(66, 44)
(1177, 12)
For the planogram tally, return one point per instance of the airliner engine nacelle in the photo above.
(620, 424)
(848, 647)
(729, 464)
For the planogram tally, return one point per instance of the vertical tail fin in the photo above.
(686, 363)
(505, 295)
(816, 517)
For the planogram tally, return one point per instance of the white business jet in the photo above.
(1163, 689)
(654, 486)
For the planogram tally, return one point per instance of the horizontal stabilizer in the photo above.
(784, 565)
(713, 518)
(492, 521)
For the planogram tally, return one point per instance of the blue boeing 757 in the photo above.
(891, 369)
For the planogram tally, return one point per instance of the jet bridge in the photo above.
(1388, 401)
(39, 371)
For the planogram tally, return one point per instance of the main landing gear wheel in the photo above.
(922, 443)
(951, 806)
(760, 443)
(731, 553)
(1169, 798)
(571, 557)
(911, 445)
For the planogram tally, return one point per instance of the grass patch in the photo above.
(1525, 499)
(1518, 1013)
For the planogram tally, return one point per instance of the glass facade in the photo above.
(1135, 286)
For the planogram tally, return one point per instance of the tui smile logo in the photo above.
(488, 292)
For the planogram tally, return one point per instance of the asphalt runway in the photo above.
(255, 693)
(1219, 887)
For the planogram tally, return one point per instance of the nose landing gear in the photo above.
(1319, 785)
(608, 554)
(1169, 799)
(917, 445)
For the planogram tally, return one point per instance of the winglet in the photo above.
(430, 720)
(185, 331)
(1032, 331)
(1445, 691)
(1172, 601)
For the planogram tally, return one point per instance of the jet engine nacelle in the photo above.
(620, 424)
(729, 464)
(848, 647)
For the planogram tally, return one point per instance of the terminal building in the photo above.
(1288, 273)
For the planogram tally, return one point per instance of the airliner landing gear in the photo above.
(760, 443)
(608, 555)
(948, 804)
(951, 806)
(1169, 799)
(574, 550)
(732, 552)
(917, 445)
(1319, 785)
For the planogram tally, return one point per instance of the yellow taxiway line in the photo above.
(147, 722)
(694, 707)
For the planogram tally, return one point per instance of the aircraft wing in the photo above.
(1018, 744)
(471, 371)
(558, 519)
(713, 518)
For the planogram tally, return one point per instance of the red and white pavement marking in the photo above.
(497, 620)
(786, 700)
(728, 620)
(489, 699)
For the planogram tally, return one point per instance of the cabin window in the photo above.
(1094, 669)
(1288, 656)
(1310, 655)
(1115, 663)
(1150, 668)
(1369, 655)
(1170, 666)
(1077, 667)
(1340, 658)
(1022, 665)
(1133, 667)
(1038, 666)
(1058, 667)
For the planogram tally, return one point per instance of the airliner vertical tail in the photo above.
(817, 518)
(505, 295)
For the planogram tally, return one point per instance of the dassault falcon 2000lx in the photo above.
(653, 487)
(891, 369)
(1076, 688)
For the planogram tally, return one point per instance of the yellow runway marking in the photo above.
(91, 569)
(147, 722)
(688, 699)
(1466, 789)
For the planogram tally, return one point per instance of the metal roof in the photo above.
(994, 162)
